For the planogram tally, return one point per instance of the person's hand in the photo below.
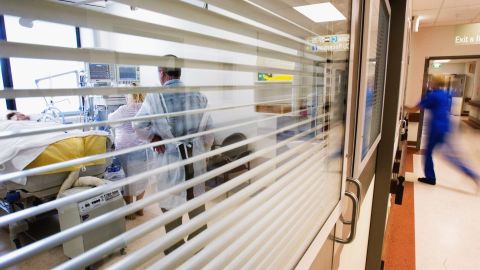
(160, 149)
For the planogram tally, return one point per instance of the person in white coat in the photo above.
(164, 128)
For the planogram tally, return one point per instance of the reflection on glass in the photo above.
(46, 74)
(376, 57)
(3, 102)
(262, 118)
(325, 103)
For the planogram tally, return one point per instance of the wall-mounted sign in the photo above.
(436, 65)
(274, 77)
(330, 43)
(467, 34)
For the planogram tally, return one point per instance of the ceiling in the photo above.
(446, 12)
(284, 8)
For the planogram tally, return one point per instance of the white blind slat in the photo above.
(92, 91)
(4, 220)
(179, 255)
(291, 225)
(297, 187)
(291, 218)
(23, 50)
(106, 248)
(42, 10)
(86, 126)
(79, 161)
(266, 224)
(149, 251)
(196, 14)
(248, 10)
(70, 233)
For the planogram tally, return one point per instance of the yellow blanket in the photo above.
(71, 148)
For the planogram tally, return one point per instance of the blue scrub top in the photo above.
(438, 102)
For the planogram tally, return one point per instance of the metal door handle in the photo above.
(358, 186)
(353, 227)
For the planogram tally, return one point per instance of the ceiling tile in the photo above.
(446, 22)
(461, 13)
(459, 3)
(428, 15)
(423, 25)
(426, 4)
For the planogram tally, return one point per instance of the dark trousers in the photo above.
(436, 139)
(185, 151)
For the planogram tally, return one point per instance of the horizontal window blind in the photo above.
(14, 49)
(237, 160)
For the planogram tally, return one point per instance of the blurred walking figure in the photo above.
(438, 102)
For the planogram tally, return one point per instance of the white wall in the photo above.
(430, 42)
(433, 42)
(25, 70)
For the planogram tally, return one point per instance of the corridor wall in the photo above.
(432, 42)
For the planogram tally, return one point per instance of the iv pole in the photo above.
(54, 111)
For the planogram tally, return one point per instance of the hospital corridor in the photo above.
(240, 134)
(434, 225)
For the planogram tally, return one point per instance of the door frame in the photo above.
(359, 161)
(363, 169)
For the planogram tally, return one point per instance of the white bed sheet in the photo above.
(18, 152)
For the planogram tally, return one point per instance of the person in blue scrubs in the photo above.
(438, 102)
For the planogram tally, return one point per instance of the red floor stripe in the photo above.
(409, 160)
(399, 242)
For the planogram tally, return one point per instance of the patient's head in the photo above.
(17, 116)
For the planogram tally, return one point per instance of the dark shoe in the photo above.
(430, 181)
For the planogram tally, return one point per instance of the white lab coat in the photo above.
(173, 176)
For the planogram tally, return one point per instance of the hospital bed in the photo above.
(37, 189)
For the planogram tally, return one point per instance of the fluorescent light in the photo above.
(441, 61)
(324, 12)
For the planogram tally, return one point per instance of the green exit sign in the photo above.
(436, 65)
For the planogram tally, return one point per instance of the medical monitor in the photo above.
(99, 72)
(128, 74)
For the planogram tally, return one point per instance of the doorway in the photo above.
(461, 76)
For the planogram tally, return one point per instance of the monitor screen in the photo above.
(127, 73)
(99, 71)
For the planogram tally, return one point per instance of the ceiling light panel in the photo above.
(441, 61)
(324, 12)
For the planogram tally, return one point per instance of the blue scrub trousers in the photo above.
(437, 139)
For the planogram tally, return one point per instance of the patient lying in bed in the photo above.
(24, 152)
(17, 116)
